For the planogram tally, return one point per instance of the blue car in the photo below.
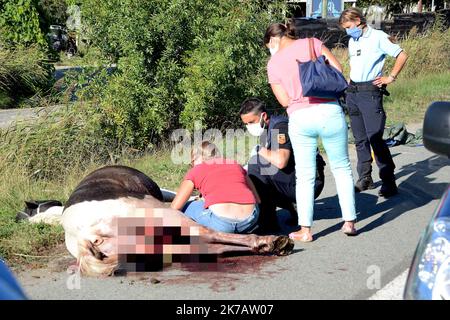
(429, 274)
(9, 287)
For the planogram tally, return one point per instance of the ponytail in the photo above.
(280, 30)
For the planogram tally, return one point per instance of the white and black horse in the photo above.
(111, 201)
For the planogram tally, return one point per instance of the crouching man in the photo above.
(271, 166)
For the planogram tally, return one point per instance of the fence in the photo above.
(330, 32)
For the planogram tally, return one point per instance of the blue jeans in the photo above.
(325, 120)
(206, 217)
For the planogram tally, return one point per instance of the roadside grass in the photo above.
(23, 244)
(410, 98)
(24, 72)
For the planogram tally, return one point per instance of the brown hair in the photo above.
(352, 14)
(280, 30)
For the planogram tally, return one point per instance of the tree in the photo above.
(178, 61)
(19, 23)
(392, 6)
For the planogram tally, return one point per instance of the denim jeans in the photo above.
(206, 217)
(325, 120)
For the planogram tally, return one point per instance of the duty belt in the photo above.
(366, 86)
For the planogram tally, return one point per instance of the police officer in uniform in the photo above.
(271, 165)
(368, 48)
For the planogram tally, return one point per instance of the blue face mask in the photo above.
(354, 32)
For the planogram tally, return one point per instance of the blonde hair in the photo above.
(206, 150)
(93, 262)
(352, 14)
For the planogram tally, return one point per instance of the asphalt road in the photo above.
(334, 266)
(7, 117)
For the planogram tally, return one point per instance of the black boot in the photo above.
(364, 183)
(388, 189)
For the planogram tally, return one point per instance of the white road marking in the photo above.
(393, 290)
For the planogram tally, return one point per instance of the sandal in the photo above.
(301, 236)
(350, 231)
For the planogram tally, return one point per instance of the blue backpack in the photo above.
(319, 78)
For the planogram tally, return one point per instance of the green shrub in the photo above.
(19, 23)
(227, 65)
(178, 61)
(52, 12)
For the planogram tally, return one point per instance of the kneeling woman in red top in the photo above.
(229, 200)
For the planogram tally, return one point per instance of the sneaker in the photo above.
(388, 190)
(363, 184)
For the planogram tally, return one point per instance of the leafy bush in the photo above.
(178, 61)
(19, 23)
(52, 12)
(24, 67)
(227, 64)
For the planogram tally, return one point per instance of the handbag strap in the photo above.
(312, 52)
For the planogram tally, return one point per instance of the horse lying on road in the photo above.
(118, 212)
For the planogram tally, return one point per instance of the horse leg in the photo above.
(279, 245)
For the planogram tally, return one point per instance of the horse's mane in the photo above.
(113, 182)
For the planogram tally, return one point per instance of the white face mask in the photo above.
(274, 46)
(255, 129)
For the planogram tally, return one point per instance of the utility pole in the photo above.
(324, 9)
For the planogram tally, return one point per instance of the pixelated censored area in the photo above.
(144, 245)
(157, 262)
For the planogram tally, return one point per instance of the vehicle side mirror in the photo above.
(436, 128)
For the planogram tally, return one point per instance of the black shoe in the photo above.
(388, 190)
(363, 184)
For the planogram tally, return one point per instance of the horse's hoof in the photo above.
(283, 245)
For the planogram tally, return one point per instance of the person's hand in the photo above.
(255, 151)
(379, 81)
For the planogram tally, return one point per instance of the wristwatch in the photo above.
(393, 77)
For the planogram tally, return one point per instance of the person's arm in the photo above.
(398, 66)
(331, 58)
(183, 194)
(253, 188)
(281, 148)
(280, 94)
(279, 158)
